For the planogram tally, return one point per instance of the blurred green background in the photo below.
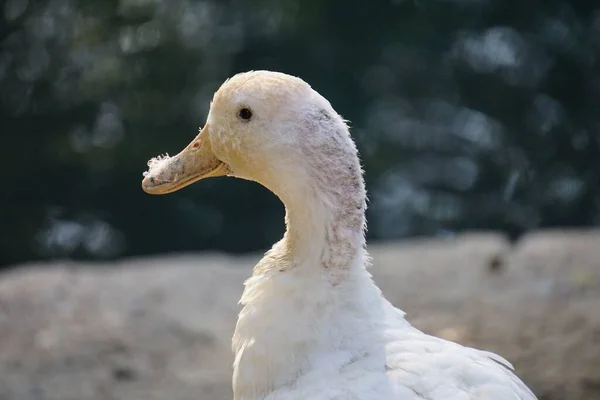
(469, 114)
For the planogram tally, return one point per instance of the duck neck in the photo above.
(310, 298)
(325, 226)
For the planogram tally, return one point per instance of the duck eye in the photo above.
(245, 114)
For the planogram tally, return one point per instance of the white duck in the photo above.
(313, 324)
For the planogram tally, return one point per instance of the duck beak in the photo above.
(197, 161)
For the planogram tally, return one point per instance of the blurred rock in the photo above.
(160, 328)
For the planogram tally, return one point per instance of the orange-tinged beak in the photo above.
(195, 162)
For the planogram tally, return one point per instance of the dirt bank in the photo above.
(160, 328)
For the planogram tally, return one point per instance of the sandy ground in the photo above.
(160, 328)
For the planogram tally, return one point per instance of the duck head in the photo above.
(267, 127)
(274, 129)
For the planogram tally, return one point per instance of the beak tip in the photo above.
(149, 185)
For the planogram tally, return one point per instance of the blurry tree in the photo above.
(469, 114)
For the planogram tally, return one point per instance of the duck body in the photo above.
(313, 323)
(312, 341)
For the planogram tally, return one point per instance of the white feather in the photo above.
(313, 323)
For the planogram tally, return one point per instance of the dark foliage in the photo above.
(469, 114)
